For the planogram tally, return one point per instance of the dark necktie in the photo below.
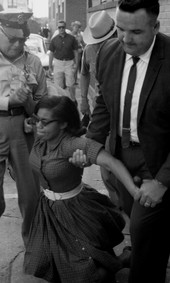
(127, 105)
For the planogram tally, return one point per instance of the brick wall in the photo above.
(164, 16)
(76, 11)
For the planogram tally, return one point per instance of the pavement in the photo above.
(11, 244)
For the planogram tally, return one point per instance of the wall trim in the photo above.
(104, 6)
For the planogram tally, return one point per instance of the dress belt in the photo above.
(12, 112)
(60, 196)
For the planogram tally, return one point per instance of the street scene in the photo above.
(84, 83)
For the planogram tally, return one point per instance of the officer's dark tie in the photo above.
(127, 105)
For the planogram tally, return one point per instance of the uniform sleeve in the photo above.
(90, 147)
(36, 82)
(41, 87)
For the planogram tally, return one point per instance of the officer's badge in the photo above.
(21, 19)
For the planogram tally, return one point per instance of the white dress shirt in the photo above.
(142, 66)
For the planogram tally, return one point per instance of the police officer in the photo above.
(22, 84)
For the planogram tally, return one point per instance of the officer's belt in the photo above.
(12, 112)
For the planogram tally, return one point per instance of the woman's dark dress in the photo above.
(70, 237)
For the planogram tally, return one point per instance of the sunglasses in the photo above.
(61, 27)
(13, 39)
(35, 120)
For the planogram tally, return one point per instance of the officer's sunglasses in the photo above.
(13, 39)
(61, 27)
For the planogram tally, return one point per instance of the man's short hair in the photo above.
(151, 6)
(62, 22)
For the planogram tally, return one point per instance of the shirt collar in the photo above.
(146, 56)
(57, 142)
(62, 36)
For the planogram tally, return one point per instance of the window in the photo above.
(93, 3)
(12, 3)
(54, 12)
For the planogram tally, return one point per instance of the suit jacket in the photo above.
(153, 121)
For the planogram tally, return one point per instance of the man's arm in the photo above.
(76, 59)
(51, 57)
(152, 191)
(85, 76)
(84, 87)
(163, 175)
(100, 122)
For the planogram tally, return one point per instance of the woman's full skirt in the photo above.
(70, 238)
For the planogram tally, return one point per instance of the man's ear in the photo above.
(156, 27)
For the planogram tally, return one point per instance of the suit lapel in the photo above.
(117, 79)
(115, 85)
(151, 75)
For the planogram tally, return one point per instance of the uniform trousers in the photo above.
(15, 146)
(149, 227)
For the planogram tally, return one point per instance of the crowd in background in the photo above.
(69, 229)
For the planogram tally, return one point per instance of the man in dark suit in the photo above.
(147, 154)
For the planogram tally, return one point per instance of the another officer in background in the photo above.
(22, 84)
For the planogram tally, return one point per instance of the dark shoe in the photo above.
(125, 257)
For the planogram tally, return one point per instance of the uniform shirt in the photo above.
(56, 172)
(25, 69)
(63, 47)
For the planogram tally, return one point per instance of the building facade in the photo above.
(17, 4)
(81, 10)
(67, 10)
